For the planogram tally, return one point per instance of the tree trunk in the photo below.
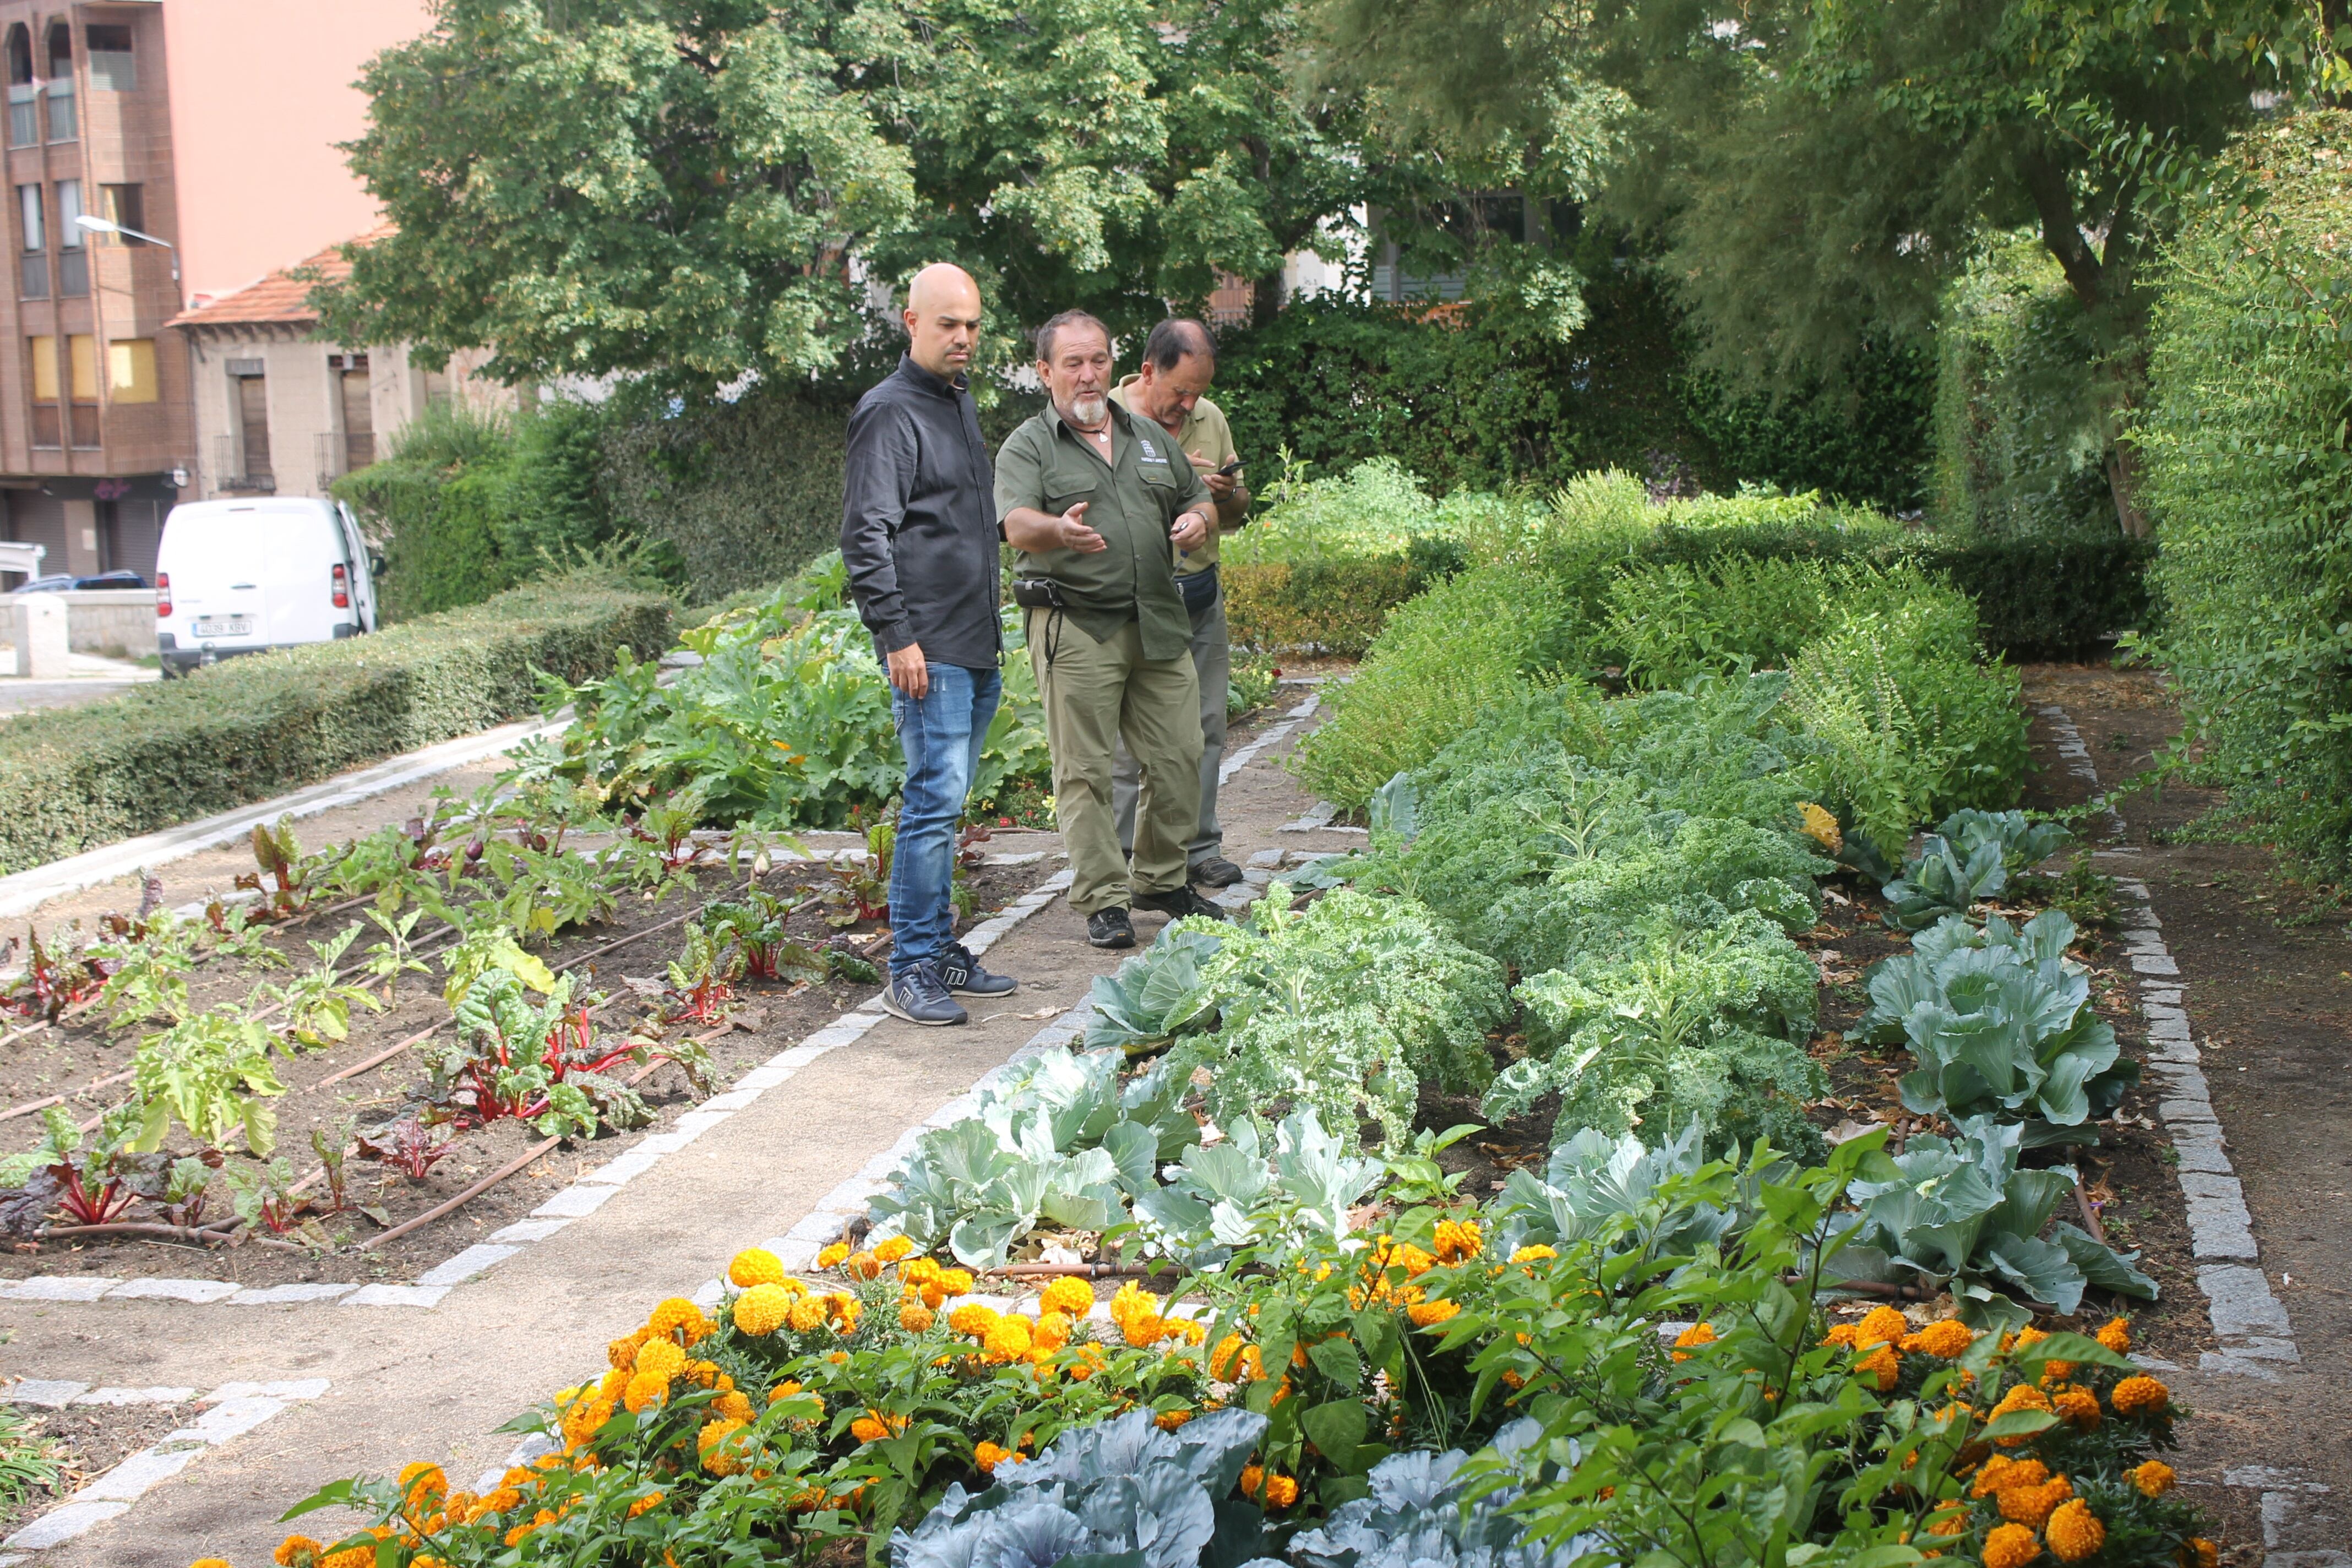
(2123, 484)
(1266, 299)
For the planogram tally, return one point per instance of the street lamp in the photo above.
(107, 226)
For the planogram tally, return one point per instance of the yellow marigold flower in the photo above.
(1429, 1314)
(1008, 1337)
(832, 1257)
(862, 1266)
(2074, 1531)
(211, 1563)
(1169, 1420)
(1820, 826)
(1085, 1361)
(806, 1312)
(661, 1357)
(1882, 1365)
(2001, 1471)
(1457, 1240)
(915, 1318)
(919, 1270)
(1413, 1259)
(935, 1296)
(1236, 1361)
(1952, 1522)
(2153, 1479)
(720, 1456)
(1944, 1339)
(1842, 1334)
(866, 1430)
(754, 1265)
(1879, 1326)
(1069, 1294)
(844, 1310)
(2201, 1552)
(1133, 1301)
(674, 1314)
(612, 1381)
(460, 1504)
(1253, 1478)
(734, 1405)
(2077, 1406)
(350, 1557)
(646, 1388)
(988, 1456)
(893, 1248)
(1690, 1339)
(958, 1282)
(2022, 1397)
(763, 1309)
(2010, 1546)
(421, 1480)
(1145, 1328)
(2140, 1395)
(972, 1318)
(1536, 1254)
(623, 1352)
(2116, 1335)
(2031, 1506)
(646, 1504)
(1281, 1491)
(1052, 1330)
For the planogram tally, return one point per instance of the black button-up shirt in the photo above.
(917, 532)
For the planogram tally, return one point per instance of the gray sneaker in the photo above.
(962, 974)
(921, 996)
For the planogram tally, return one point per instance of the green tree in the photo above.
(1817, 171)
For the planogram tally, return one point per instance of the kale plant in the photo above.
(1345, 1008)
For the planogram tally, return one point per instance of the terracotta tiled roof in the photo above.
(278, 299)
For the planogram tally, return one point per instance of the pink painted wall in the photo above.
(261, 91)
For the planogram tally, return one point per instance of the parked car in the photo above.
(243, 576)
(59, 581)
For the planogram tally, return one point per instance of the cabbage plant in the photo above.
(1423, 1511)
(2001, 1024)
(1156, 996)
(1232, 1194)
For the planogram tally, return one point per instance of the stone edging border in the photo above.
(594, 1189)
(2247, 1318)
(236, 1408)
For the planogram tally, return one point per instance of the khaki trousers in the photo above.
(1212, 661)
(1097, 694)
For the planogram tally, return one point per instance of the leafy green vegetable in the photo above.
(1942, 882)
(1155, 996)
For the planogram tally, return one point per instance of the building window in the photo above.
(359, 412)
(112, 66)
(125, 206)
(24, 105)
(33, 239)
(62, 127)
(81, 366)
(46, 430)
(131, 370)
(73, 261)
(251, 405)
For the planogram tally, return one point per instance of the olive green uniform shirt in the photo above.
(1133, 502)
(1204, 431)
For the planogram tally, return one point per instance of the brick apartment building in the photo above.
(210, 125)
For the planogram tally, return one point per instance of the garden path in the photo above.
(2265, 980)
(406, 1385)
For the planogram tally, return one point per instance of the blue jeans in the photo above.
(941, 735)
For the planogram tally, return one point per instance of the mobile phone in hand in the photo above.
(1230, 470)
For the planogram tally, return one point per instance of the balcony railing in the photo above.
(73, 274)
(32, 277)
(228, 475)
(340, 452)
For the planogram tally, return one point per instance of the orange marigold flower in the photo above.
(1253, 1478)
(2140, 1395)
(988, 1456)
(2077, 1406)
(646, 1504)
(1169, 1420)
(646, 1388)
(2116, 1335)
(956, 1281)
(2001, 1471)
(2153, 1479)
(1690, 1339)
(733, 1404)
(352, 1557)
(973, 1319)
(1052, 1330)
(211, 1563)
(1536, 1254)
(862, 1266)
(1008, 1339)
(661, 1357)
(805, 1313)
(831, 1257)
(1953, 1521)
(843, 1310)
(1842, 1334)
(296, 1552)
(1070, 1295)
(1085, 1361)
(866, 1430)
(2199, 1552)
(2010, 1546)
(720, 1456)
(2075, 1532)
(1429, 1314)
(1281, 1491)
(1882, 1365)
(1457, 1240)
(674, 1314)
(1236, 1361)
(1944, 1338)
(754, 1265)
(2032, 1505)
(2021, 1396)
(623, 1353)
(893, 1248)
(1880, 1325)
(422, 1481)
(915, 1318)
(763, 1309)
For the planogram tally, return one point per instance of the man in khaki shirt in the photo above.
(1180, 360)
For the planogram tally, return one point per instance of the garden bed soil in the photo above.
(766, 1018)
(90, 1440)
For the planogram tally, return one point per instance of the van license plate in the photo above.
(225, 626)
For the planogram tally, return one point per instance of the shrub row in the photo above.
(251, 727)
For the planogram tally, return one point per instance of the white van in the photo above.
(240, 576)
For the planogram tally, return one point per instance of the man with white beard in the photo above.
(1093, 498)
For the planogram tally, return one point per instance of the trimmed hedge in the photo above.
(251, 727)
